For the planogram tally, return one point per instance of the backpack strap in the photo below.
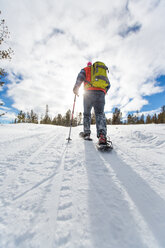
(102, 66)
(102, 78)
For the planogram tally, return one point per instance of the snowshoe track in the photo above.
(71, 195)
(148, 205)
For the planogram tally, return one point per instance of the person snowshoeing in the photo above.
(96, 85)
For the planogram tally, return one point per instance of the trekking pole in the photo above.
(71, 119)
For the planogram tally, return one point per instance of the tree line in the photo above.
(32, 117)
(64, 120)
(136, 118)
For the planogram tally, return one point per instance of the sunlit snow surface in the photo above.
(54, 194)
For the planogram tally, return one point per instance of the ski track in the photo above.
(72, 213)
(51, 200)
(70, 195)
(32, 170)
(148, 165)
(20, 162)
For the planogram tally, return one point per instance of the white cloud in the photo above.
(53, 40)
(151, 112)
(8, 117)
(4, 108)
(1, 102)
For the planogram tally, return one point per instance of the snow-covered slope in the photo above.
(54, 194)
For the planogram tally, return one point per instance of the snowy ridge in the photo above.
(55, 194)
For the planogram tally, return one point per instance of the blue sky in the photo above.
(155, 101)
(53, 40)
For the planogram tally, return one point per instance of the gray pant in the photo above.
(96, 99)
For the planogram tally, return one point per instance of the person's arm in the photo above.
(80, 78)
(108, 87)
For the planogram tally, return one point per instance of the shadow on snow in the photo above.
(112, 223)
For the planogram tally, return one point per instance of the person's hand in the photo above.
(75, 90)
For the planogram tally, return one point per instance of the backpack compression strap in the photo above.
(103, 67)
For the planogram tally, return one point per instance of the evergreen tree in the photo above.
(46, 119)
(54, 121)
(79, 119)
(109, 121)
(67, 118)
(117, 115)
(4, 34)
(4, 54)
(74, 124)
(2, 77)
(136, 117)
(141, 121)
(21, 117)
(163, 109)
(59, 120)
(28, 118)
(125, 122)
(33, 117)
(161, 116)
(154, 119)
(130, 119)
(93, 119)
(148, 119)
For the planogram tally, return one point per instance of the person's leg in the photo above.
(87, 113)
(99, 113)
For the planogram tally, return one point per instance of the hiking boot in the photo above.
(87, 136)
(102, 139)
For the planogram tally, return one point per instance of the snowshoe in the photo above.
(104, 144)
(102, 139)
(85, 136)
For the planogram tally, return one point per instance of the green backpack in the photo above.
(99, 77)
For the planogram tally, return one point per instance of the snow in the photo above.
(54, 194)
